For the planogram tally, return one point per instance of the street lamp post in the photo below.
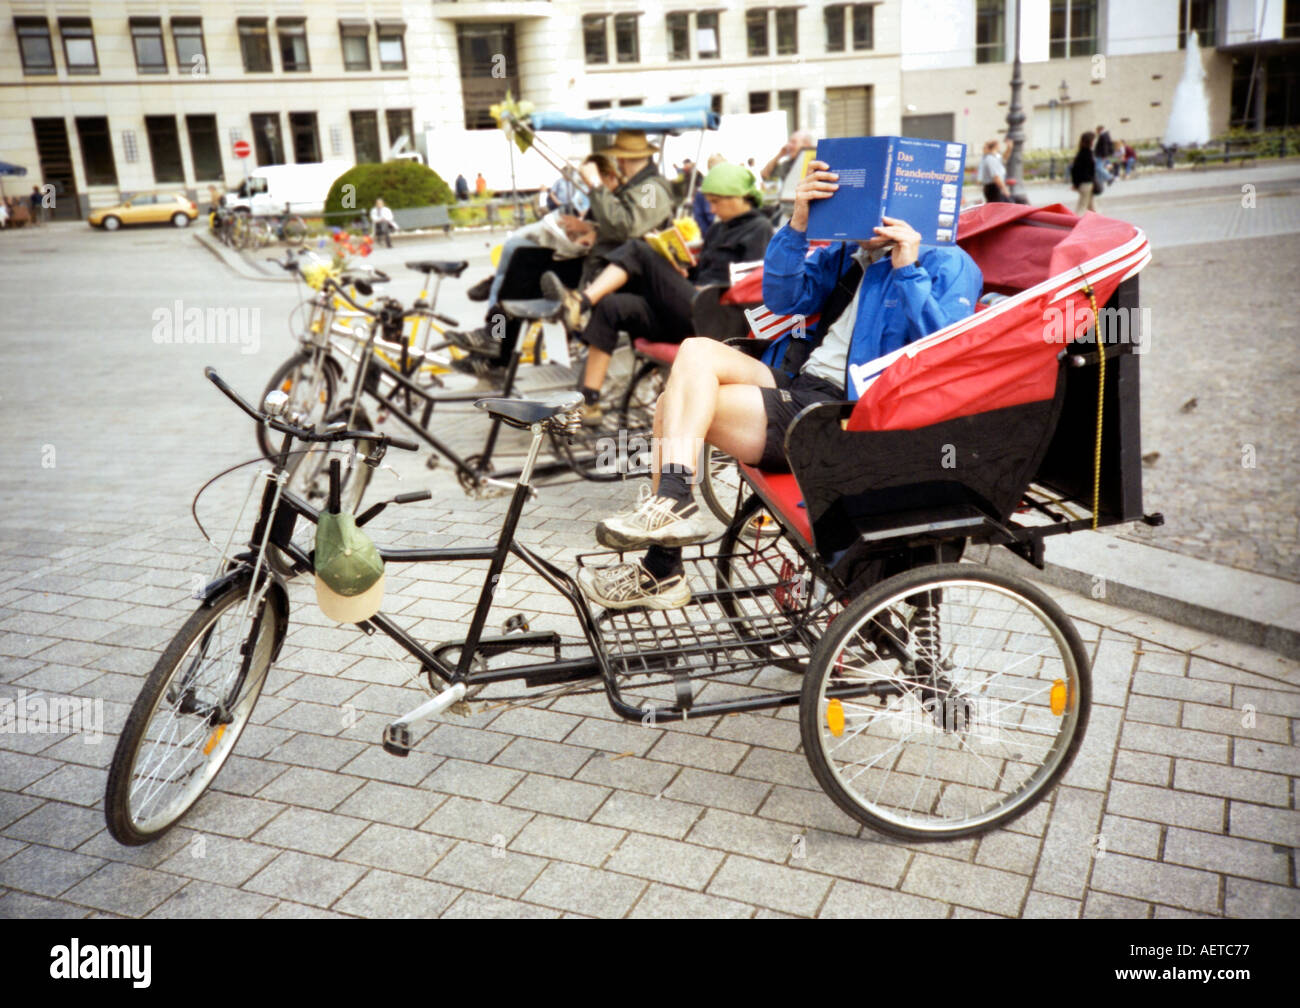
(1051, 126)
(1016, 123)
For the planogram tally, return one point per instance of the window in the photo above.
(34, 44)
(627, 48)
(365, 137)
(787, 31)
(485, 49)
(756, 31)
(187, 35)
(96, 150)
(355, 38)
(864, 26)
(707, 45)
(146, 38)
(679, 36)
(716, 103)
(79, 45)
(1291, 20)
(1073, 28)
(1203, 22)
(392, 45)
(760, 101)
(788, 102)
(306, 141)
(594, 46)
(267, 142)
(834, 17)
(990, 31)
(400, 124)
(205, 146)
(293, 44)
(164, 148)
(255, 45)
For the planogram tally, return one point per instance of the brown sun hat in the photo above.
(630, 144)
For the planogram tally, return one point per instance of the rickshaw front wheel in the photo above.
(945, 701)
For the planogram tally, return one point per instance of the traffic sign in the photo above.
(242, 149)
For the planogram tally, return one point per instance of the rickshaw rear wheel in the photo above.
(945, 701)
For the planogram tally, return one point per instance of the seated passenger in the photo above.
(643, 294)
(887, 293)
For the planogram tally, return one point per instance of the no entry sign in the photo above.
(242, 149)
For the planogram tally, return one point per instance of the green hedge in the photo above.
(401, 184)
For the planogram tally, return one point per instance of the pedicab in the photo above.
(937, 697)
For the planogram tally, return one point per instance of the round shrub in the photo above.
(400, 184)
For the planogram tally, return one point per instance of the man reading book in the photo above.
(874, 296)
(642, 294)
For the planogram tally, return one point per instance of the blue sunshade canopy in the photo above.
(687, 114)
(11, 169)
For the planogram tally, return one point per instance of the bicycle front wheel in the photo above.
(295, 230)
(311, 385)
(945, 701)
(194, 706)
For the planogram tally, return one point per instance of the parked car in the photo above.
(146, 208)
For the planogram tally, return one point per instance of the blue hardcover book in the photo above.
(918, 181)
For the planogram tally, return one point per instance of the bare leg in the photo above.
(607, 281)
(712, 395)
(593, 375)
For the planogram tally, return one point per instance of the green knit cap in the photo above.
(727, 179)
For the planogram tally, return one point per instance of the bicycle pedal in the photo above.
(397, 740)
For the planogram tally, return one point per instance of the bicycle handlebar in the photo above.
(301, 433)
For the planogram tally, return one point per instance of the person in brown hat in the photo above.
(643, 203)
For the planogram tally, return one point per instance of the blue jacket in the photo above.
(895, 306)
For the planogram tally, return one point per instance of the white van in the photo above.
(302, 187)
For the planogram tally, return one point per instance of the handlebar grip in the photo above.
(402, 443)
(445, 319)
(411, 498)
(211, 374)
(381, 276)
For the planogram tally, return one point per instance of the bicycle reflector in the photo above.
(835, 717)
(1058, 697)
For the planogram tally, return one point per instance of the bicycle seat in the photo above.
(526, 412)
(537, 309)
(442, 267)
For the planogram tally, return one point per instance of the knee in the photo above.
(696, 350)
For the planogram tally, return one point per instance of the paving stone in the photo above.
(311, 831)
(567, 840)
(612, 737)
(1143, 768)
(557, 796)
(205, 901)
(1154, 711)
(1228, 855)
(77, 784)
(698, 751)
(881, 863)
(718, 791)
(124, 889)
(1108, 905)
(316, 789)
(549, 725)
(490, 868)
(665, 902)
(473, 780)
(244, 776)
(788, 890)
(46, 871)
(220, 860)
(57, 825)
(1010, 851)
(476, 744)
(1280, 826)
(744, 835)
(1244, 898)
(1265, 756)
(1181, 688)
(21, 906)
(10, 847)
(372, 762)
(479, 821)
(1229, 721)
(1160, 805)
(585, 890)
(629, 773)
(306, 879)
(289, 910)
(15, 806)
(1070, 844)
(1096, 755)
(230, 815)
(1129, 836)
(970, 885)
(1048, 907)
(1154, 882)
(1232, 782)
(317, 751)
(410, 851)
(758, 730)
(1274, 702)
(478, 906)
(534, 755)
(385, 895)
(685, 865)
(851, 900)
(805, 808)
(643, 814)
(391, 803)
(18, 771)
(1175, 742)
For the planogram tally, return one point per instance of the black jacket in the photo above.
(741, 239)
(1084, 168)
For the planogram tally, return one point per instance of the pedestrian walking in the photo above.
(462, 188)
(35, 201)
(382, 222)
(480, 185)
(993, 174)
(1103, 150)
(1083, 174)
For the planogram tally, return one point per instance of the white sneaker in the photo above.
(655, 521)
(631, 586)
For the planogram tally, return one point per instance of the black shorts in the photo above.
(782, 404)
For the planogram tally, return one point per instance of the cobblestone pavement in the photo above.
(1181, 801)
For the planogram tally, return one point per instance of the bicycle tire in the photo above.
(294, 230)
(191, 692)
(297, 377)
(916, 645)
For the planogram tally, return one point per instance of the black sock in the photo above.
(584, 300)
(662, 561)
(589, 395)
(675, 483)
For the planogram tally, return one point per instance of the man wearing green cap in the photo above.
(639, 292)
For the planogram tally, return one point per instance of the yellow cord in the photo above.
(1101, 392)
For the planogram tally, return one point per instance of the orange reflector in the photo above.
(835, 717)
(214, 739)
(1059, 696)
(286, 385)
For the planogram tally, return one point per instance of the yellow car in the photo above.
(146, 208)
